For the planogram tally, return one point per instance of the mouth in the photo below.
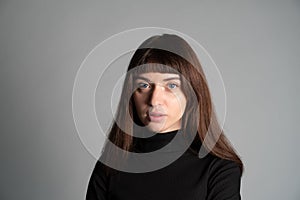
(156, 116)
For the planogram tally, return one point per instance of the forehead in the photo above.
(157, 76)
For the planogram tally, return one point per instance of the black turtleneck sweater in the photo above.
(187, 178)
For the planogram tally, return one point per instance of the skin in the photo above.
(156, 94)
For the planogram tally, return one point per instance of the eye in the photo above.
(172, 85)
(143, 85)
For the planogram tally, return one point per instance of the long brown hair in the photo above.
(199, 115)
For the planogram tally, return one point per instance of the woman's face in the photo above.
(159, 101)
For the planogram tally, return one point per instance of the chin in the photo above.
(155, 128)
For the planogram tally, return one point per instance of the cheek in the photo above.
(178, 103)
(137, 102)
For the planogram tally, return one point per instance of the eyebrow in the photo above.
(166, 79)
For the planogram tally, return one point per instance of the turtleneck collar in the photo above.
(149, 141)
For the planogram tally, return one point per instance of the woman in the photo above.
(166, 96)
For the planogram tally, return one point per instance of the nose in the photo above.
(157, 95)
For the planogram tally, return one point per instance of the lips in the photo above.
(156, 116)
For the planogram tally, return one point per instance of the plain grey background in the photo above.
(255, 44)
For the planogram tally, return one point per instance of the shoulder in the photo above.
(103, 170)
(218, 165)
(98, 183)
(98, 174)
(224, 177)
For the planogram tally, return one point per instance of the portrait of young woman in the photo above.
(166, 96)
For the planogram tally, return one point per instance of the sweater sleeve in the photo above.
(224, 180)
(98, 183)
